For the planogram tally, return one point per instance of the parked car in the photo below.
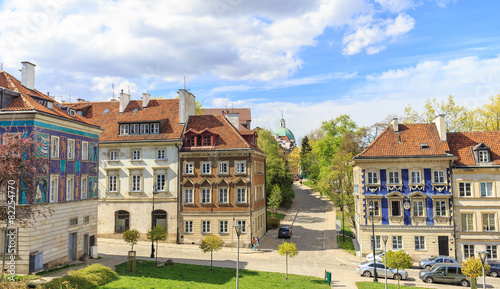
(295, 178)
(379, 255)
(284, 232)
(448, 273)
(494, 268)
(428, 263)
(366, 269)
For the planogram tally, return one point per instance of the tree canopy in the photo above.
(131, 237)
(210, 244)
(288, 250)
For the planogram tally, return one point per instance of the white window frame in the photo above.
(136, 155)
(376, 211)
(188, 227)
(240, 167)
(416, 177)
(400, 207)
(223, 227)
(205, 227)
(124, 129)
(462, 189)
(155, 128)
(160, 154)
(488, 190)
(467, 223)
(397, 242)
(417, 206)
(492, 251)
(188, 196)
(420, 243)
(223, 195)
(372, 178)
(54, 147)
(378, 243)
(83, 186)
(85, 150)
(439, 177)
(206, 168)
(113, 155)
(241, 195)
(136, 181)
(483, 156)
(440, 210)
(134, 128)
(489, 222)
(144, 128)
(204, 198)
(189, 168)
(243, 224)
(161, 181)
(393, 178)
(71, 149)
(54, 189)
(113, 181)
(70, 188)
(223, 168)
(469, 251)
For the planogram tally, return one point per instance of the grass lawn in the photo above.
(348, 246)
(195, 276)
(347, 228)
(306, 183)
(279, 216)
(381, 285)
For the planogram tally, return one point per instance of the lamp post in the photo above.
(237, 228)
(372, 208)
(482, 255)
(153, 222)
(384, 238)
(343, 223)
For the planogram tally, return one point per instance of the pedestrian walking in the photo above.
(254, 243)
(257, 243)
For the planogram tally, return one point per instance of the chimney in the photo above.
(394, 124)
(234, 119)
(441, 126)
(186, 105)
(80, 100)
(145, 99)
(124, 100)
(28, 75)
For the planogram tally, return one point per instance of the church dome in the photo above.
(283, 131)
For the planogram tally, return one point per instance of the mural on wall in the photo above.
(94, 152)
(42, 150)
(64, 144)
(92, 187)
(77, 188)
(41, 189)
(62, 188)
(78, 149)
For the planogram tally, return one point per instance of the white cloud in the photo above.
(396, 5)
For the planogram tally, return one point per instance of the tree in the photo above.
(131, 237)
(294, 159)
(305, 149)
(473, 268)
(210, 244)
(399, 260)
(288, 250)
(158, 233)
(274, 199)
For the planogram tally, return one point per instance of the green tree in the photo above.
(288, 250)
(131, 237)
(274, 199)
(399, 260)
(156, 234)
(473, 268)
(210, 244)
(305, 149)
(489, 114)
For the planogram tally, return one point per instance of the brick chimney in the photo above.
(145, 99)
(124, 100)
(186, 105)
(441, 126)
(28, 75)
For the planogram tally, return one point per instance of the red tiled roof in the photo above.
(461, 144)
(245, 113)
(388, 143)
(164, 111)
(26, 102)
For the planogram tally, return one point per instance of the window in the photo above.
(54, 147)
(155, 128)
(439, 177)
(205, 168)
(190, 141)
(160, 154)
(467, 221)
(483, 156)
(418, 208)
(419, 242)
(205, 196)
(440, 208)
(188, 196)
(468, 251)
(240, 195)
(136, 155)
(243, 225)
(70, 186)
(122, 221)
(160, 219)
(378, 245)
(113, 155)
(486, 189)
(396, 208)
(84, 193)
(54, 189)
(85, 150)
(86, 219)
(393, 178)
(372, 178)
(105, 111)
(240, 167)
(124, 128)
(397, 242)
(71, 149)
(188, 168)
(188, 227)
(134, 129)
(374, 208)
(223, 227)
(144, 128)
(223, 168)
(464, 189)
(206, 140)
(489, 222)
(136, 183)
(491, 251)
(416, 177)
(73, 221)
(160, 181)
(205, 227)
(223, 195)
(113, 182)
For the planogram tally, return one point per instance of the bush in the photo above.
(273, 223)
(86, 278)
(70, 281)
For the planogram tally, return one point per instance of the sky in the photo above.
(308, 60)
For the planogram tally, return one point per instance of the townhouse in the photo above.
(69, 188)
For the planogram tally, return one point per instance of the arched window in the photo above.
(160, 218)
(122, 221)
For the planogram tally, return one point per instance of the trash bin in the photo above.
(329, 278)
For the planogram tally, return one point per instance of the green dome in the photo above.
(283, 131)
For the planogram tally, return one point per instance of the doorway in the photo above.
(444, 249)
(72, 247)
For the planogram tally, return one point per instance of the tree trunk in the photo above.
(157, 252)
(211, 259)
(473, 283)
(286, 274)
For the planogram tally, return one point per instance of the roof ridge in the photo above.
(235, 130)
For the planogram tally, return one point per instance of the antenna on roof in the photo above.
(113, 87)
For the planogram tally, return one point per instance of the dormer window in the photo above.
(484, 156)
(190, 141)
(124, 129)
(481, 154)
(424, 146)
(206, 140)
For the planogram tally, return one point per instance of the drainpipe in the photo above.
(453, 210)
(250, 195)
(178, 193)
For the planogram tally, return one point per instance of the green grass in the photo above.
(54, 270)
(187, 276)
(306, 183)
(348, 231)
(279, 216)
(85, 278)
(348, 246)
(381, 285)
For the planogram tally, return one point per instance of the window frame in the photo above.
(126, 217)
(144, 128)
(243, 224)
(412, 176)
(468, 223)
(465, 184)
(206, 168)
(222, 164)
(468, 249)
(226, 195)
(188, 227)
(399, 207)
(136, 182)
(223, 227)
(391, 176)
(398, 243)
(71, 149)
(443, 212)
(134, 129)
(136, 155)
(154, 128)
(189, 165)
(488, 227)
(85, 151)
(124, 129)
(420, 243)
(376, 212)
(240, 167)
(378, 242)
(491, 192)
(158, 181)
(54, 189)
(483, 156)
(422, 207)
(241, 198)
(492, 251)
(54, 146)
(205, 227)
(204, 199)
(160, 154)
(114, 175)
(372, 178)
(83, 181)
(439, 177)
(188, 196)
(115, 153)
(70, 188)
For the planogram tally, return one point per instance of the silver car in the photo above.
(366, 269)
(428, 263)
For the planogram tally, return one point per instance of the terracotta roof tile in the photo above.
(245, 113)
(388, 143)
(461, 144)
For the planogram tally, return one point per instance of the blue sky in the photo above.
(311, 60)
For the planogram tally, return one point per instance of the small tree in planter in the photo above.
(131, 237)
(473, 268)
(399, 260)
(158, 233)
(210, 244)
(288, 250)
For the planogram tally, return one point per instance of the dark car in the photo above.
(494, 269)
(448, 273)
(284, 232)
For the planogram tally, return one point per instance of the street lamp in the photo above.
(343, 223)
(384, 238)
(372, 208)
(237, 228)
(482, 255)
(155, 192)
